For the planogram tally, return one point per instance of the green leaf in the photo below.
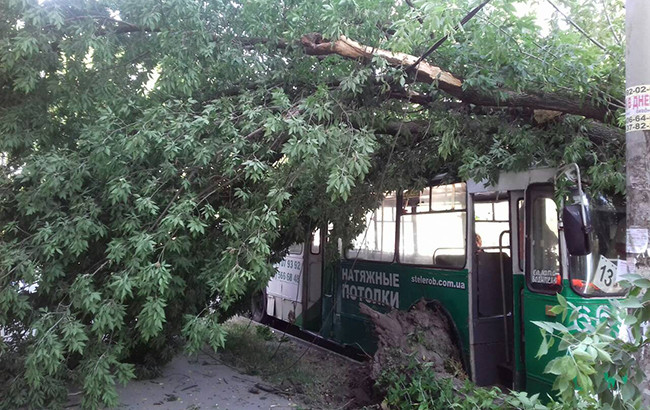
(74, 336)
(604, 356)
(628, 392)
(125, 372)
(543, 348)
(196, 226)
(122, 287)
(151, 318)
(630, 320)
(584, 382)
(631, 303)
(583, 355)
(556, 366)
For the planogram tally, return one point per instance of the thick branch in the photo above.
(314, 44)
(597, 132)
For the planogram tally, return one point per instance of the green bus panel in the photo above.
(535, 308)
(384, 286)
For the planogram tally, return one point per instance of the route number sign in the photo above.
(605, 276)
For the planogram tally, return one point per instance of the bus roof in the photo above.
(512, 181)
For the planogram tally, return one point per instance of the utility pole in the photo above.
(637, 136)
(637, 153)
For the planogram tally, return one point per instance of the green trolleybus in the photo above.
(494, 255)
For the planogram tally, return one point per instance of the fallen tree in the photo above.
(418, 362)
(157, 157)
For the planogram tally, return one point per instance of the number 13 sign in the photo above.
(605, 275)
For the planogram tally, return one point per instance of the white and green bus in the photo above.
(494, 255)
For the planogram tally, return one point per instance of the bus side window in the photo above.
(377, 241)
(433, 226)
(315, 242)
(545, 275)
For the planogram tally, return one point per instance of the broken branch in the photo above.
(314, 44)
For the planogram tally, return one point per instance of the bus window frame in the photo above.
(317, 232)
(521, 232)
(400, 213)
(499, 197)
(399, 197)
(528, 203)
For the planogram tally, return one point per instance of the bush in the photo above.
(416, 386)
(601, 364)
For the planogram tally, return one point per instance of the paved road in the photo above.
(200, 383)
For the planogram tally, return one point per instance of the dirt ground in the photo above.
(259, 368)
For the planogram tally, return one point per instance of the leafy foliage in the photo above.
(415, 386)
(600, 367)
(158, 156)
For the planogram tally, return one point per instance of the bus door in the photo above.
(313, 281)
(543, 279)
(492, 284)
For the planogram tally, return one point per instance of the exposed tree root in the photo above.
(424, 333)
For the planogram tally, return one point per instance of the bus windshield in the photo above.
(598, 273)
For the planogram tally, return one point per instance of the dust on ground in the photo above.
(317, 378)
(259, 368)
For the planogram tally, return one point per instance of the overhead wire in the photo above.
(577, 27)
(438, 43)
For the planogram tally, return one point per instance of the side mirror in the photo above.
(576, 230)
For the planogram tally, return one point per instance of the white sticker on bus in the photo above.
(606, 274)
(544, 276)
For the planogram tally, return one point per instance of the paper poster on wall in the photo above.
(637, 240)
(637, 108)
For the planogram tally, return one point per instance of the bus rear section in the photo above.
(294, 293)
